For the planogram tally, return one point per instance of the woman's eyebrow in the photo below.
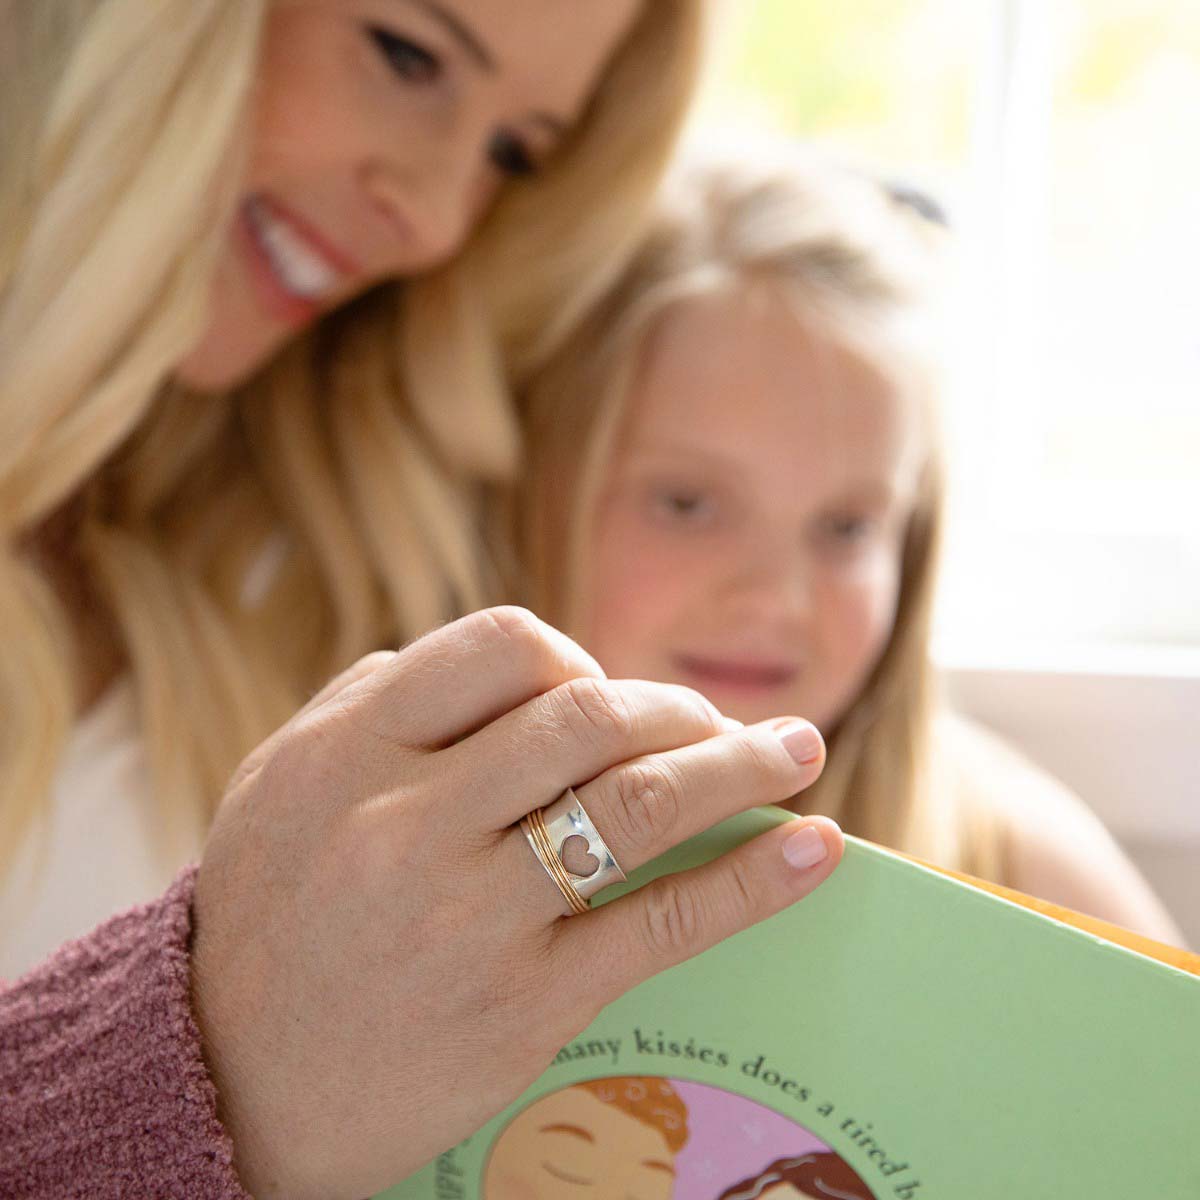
(466, 37)
(477, 50)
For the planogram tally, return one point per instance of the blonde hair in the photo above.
(854, 259)
(247, 545)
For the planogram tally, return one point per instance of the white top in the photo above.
(100, 853)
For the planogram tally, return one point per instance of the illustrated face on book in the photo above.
(382, 130)
(826, 1176)
(748, 537)
(611, 1139)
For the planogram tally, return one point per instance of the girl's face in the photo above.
(382, 128)
(748, 538)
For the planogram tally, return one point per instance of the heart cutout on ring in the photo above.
(577, 858)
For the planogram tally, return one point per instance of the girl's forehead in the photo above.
(738, 373)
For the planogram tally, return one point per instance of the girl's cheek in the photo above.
(644, 580)
(623, 589)
(879, 614)
(859, 611)
(656, 576)
(853, 626)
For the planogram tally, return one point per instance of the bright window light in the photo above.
(1062, 139)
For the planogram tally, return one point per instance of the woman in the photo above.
(235, 455)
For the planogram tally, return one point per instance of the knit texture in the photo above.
(103, 1089)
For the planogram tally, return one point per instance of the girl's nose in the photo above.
(773, 584)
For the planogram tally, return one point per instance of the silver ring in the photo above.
(571, 850)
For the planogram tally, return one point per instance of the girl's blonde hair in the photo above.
(854, 259)
(247, 545)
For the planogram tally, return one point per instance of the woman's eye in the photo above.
(509, 154)
(412, 63)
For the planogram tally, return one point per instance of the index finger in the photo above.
(461, 677)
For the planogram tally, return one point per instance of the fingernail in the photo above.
(805, 849)
(802, 741)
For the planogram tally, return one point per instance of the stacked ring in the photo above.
(564, 828)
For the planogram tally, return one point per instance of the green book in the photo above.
(900, 1035)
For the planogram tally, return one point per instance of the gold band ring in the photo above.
(571, 850)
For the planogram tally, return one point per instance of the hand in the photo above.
(380, 962)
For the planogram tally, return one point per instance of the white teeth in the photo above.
(299, 267)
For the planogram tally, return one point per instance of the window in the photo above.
(1061, 138)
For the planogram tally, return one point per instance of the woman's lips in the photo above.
(297, 270)
(748, 675)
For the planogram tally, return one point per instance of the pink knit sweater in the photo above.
(103, 1090)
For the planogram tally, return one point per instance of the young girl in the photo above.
(746, 427)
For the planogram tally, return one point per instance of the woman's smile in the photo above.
(377, 135)
(297, 269)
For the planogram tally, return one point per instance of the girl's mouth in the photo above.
(745, 675)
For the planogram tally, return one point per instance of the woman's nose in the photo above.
(430, 206)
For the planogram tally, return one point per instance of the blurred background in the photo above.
(1061, 139)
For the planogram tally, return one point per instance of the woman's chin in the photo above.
(226, 358)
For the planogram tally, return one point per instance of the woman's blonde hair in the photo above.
(854, 259)
(248, 545)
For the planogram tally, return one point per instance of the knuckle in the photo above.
(698, 706)
(528, 642)
(649, 795)
(743, 895)
(597, 711)
(674, 920)
(511, 623)
(760, 760)
(373, 661)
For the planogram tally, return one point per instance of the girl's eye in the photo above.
(684, 507)
(412, 63)
(509, 154)
(847, 530)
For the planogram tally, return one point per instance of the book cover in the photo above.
(902, 1033)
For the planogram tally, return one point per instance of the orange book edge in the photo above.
(1182, 960)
